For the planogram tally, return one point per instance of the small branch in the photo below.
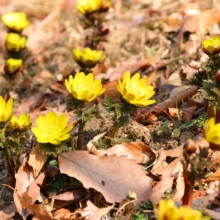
(125, 205)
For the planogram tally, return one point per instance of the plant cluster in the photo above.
(53, 131)
(15, 42)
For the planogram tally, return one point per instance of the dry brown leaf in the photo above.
(175, 101)
(161, 158)
(171, 169)
(59, 213)
(198, 23)
(24, 177)
(160, 188)
(174, 152)
(91, 212)
(37, 160)
(7, 212)
(214, 214)
(138, 151)
(168, 173)
(38, 210)
(68, 196)
(131, 65)
(188, 70)
(213, 177)
(180, 188)
(90, 146)
(113, 176)
(187, 113)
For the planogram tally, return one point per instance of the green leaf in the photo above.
(175, 133)
(163, 127)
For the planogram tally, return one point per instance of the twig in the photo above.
(125, 205)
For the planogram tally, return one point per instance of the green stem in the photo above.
(115, 129)
(10, 160)
(80, 131)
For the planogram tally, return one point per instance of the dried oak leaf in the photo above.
(168, 174)
(174, 101)
(113, 176)
(37, 159)
(40, 211)
(185, 114)
(91, 212)
(25, 179)
(138, 151)
(198, 23)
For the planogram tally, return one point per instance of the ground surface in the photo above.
(153, 38)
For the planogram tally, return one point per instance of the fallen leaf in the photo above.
(161, 187)
(180, 188)
(138, 151)
(7, 212)
(198, 23)
(214, 214)
(111, 180)
(68, 196)
(175, 101)
(61, 213)
(91, 212)
(38, 210)
(188, 70)
(213, 177)
(37, 159)
(24, 177)
(187, 113)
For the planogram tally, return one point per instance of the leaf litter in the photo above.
(110, 174)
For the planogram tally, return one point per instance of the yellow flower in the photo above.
(15, 20)
(5, 109)
(212, 133)
(20, 124)
(52, 128)
(13, 65)
(168, 211)
(84, 87)
(135, 90)
(211, 46)
(15, 42)
(87, 57)
(88, 6)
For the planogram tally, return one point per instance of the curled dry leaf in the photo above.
(198, 23)
(185, 114)
(25, 182)
(37, 160)
(38, 210)
(113, 176)
(175, 101)
(61, 213)
(213, 177)
(68, 196)
(138, 151)
(168, 173)
(91, 212)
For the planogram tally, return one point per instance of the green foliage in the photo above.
(176, 133)
(140, 214)
(75, 104)
(51, 149)
(53, 162)
(162, 128)
(61, 183)
(90, 113)
(206, 79)
(199, 122)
